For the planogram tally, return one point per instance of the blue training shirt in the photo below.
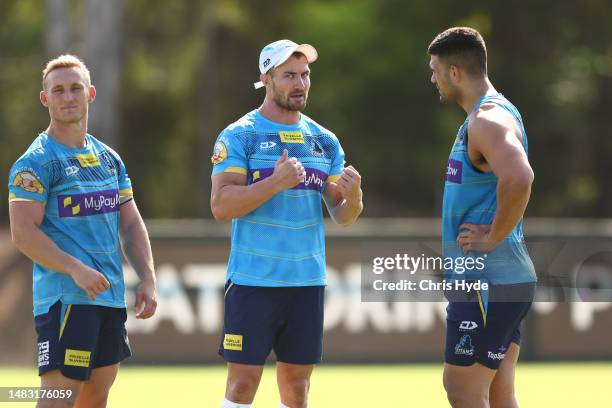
(470, 196)
(81, 190)
(282, 242)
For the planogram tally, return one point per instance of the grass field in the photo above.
(558, 385)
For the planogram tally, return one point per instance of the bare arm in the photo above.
(137, 250)
(25, 218)
(501, 146)
(343, 198)
(232, 198)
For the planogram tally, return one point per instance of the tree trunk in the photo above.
(57, 30)
(102, 54)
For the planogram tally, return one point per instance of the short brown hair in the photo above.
(461, 46)
(65, 61)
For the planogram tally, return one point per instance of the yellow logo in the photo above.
(291, 136)
(88, 160)
(232, 342)
(78, 358)
(28, 181)
(219, 153)
(76, 209)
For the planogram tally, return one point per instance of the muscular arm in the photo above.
(494, 135)
(231, 198)
(344, 197)
(137, 250)
(25, 218)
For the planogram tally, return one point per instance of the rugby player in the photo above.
(270, 170)
(71, 207)
(487, 188)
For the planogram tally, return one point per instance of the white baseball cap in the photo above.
(276, 53)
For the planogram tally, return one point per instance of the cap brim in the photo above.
(308, 50)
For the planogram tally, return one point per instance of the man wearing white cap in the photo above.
(270, 170)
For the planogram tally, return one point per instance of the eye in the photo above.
(290, 76)
(306, 75)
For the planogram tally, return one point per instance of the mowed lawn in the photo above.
(540, 385)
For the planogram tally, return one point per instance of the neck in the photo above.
(473, 92)
(275, 113)
(69, 134)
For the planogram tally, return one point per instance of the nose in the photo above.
(433, 79)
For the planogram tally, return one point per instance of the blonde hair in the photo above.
(65, 61)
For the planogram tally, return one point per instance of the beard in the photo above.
(290, 102)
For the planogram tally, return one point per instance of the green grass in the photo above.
(557, 385)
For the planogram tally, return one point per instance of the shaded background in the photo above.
(171, 75)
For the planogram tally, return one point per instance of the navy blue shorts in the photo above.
(78, 338)
(479, 330)
(288, 320)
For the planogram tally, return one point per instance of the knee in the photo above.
(242, 389)
(92, 397)
(500, 398)
(460, 396)
(295, 393)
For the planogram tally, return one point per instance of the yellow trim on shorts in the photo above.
(228, 288)
(481, 304)
(65, 321)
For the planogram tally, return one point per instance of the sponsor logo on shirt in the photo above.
(453, 171)
(267, 145)
(88, 160)
(291, 136)
(71, 170)
(77, 205)
(315, 179)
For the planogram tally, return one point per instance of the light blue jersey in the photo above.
(282, 242)
(470, 196)
(81, 190)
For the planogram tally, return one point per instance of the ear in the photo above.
(265, 79)
(43, 99)
(92, 94)
(455, 73)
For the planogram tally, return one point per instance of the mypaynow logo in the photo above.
(79, 205)
(453, 171)
(315, 179)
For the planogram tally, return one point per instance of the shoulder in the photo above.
(247, 123)
(316, 128)
(491, 120)
(100, 147)
(38, 152)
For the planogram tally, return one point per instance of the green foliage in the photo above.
(188, 69)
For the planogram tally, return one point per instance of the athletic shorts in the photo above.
(480, 326)
(78, 338)
(288, 320)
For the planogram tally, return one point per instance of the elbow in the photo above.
(219, 212)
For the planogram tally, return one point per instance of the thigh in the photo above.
(67, 340)
(252, 319)
(95, 391)
(55, 380)
(468, 382)
(300, 342)
(503, 384)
